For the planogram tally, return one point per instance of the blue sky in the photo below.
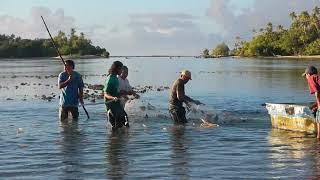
(146, 27)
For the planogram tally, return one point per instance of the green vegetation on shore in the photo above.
(301, 38)
(72, 45)
(221, 50)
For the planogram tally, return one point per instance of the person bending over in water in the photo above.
(124, 87)
(115, 112)
(178, 97)
(313, 79)
(71, 85)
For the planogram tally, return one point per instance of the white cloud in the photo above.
(32, 27)
(162, 33)
(154, 34)
(255, 17)
(145, 34)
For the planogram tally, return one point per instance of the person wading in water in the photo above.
(178, 97)
(125, 87)
(313, 79)
(115, 112)
(71, 85)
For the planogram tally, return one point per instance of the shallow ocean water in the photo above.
(34, 145)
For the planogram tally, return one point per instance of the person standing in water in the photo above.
(115, 112)
(178, 97)
(125, 87)
(313, 79)
(71, 85)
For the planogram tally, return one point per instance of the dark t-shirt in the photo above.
(178, 86)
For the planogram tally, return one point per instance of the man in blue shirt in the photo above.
(71, 84)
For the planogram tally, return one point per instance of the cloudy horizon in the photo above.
(144, 28)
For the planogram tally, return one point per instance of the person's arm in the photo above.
(134, 93)
(314, 106)
(81, 86)
(318, 99)
(129, 90)
(81, 95)
(109, 97)
(63, 84)
(184, 98)
(106, 94)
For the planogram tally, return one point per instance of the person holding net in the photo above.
(178, 97)
(125, 87)
(115, 112)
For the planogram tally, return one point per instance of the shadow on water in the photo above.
(71, 148)
(180, 155)
(116, 154)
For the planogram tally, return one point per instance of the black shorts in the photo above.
(178, 114)
(64, 111)
(117, 116)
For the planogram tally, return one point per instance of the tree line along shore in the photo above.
(301, 40)
(72, 45)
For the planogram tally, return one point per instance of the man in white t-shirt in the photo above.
(124, 86)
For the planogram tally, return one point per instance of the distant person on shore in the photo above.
(71, 85)
(115, 112)
(178, 97)
(313, 79)
(125, 87)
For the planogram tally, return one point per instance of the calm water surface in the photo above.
(34, 145)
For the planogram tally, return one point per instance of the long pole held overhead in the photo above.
(54, 44)
(64, 63)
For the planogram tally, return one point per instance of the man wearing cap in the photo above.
(178, 97)
(311, 74)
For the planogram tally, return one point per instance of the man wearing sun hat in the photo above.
(178, 97)
(313, 79)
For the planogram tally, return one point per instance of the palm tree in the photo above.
(269, 27)
(316, 11)
(280, 28)
(205, 53)
(293, 15)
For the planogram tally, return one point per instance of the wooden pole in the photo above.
(64, 63)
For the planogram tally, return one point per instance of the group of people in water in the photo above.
(116, 90)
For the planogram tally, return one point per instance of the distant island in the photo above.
(69, 46)
(300, 40)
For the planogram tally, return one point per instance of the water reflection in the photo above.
(116, 154)
(71, 148)
(289, 144)
(315, 161)
(180, 156)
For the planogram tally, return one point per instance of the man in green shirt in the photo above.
(115, 112)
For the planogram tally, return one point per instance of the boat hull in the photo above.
(291, 117)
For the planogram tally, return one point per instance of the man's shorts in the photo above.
(178, 114)
(64, 111)
(117, 116)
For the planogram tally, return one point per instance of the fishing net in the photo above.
(147, 109)
(142, 108)
(208, 117)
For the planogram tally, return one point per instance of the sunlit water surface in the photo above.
(34, 145)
